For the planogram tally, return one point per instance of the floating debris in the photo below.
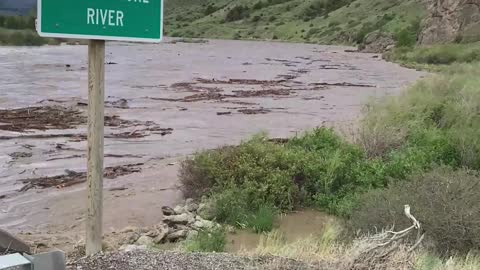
(254, 111)
(40, 118)
(72, 178)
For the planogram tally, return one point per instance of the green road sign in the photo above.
(124, 20)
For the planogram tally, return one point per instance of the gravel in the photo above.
(150, 260)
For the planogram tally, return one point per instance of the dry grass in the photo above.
(315, 248)
(326, 249)
(426, 261)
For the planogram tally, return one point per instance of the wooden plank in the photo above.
(96, 96)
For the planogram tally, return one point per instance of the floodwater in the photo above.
(210, 94)
(293, 226)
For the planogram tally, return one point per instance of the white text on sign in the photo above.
(104, 16)
(108, 17)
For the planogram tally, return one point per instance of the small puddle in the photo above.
(293, 226)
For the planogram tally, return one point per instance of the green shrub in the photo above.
(407, 37)
(18, 22)
(262, 170)
(372, 26)
(322, 7)
(262, 220)
(444, 201)
(237, 13)
(333, 23)
(313, 32)
(207, 241)
(259, 5)
(256, 18)
(435, 122)
(22, 38)
(231, 207)
(437, 118)
(210, 9)
(438, 54)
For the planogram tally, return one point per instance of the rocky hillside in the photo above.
(451, 21)
(323, 21)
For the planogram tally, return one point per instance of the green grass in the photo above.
(262, 220)
(444, 54)
(23, 37)
(207, 241)
(428, 261)
(188, 18)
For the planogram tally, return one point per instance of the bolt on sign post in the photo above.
(97, 21)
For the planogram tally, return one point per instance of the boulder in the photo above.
(230, 229)
(144, 241)
(179, 219)
(167, 211)
(377, 42)
(129, 238)
(177, 235)
(129, 229)
(162, 231)
(181, 227)
(129, 248)
(203, 224)
(192, 234)
(152, 233)
(190, 205)
(450, 21)
(206, 211)
(179, 210)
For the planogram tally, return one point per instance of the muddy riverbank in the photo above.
(163, 102)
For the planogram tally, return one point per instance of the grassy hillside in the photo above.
(322, 21)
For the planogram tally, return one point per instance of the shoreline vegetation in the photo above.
(420, 148)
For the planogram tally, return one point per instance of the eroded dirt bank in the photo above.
(163, 102)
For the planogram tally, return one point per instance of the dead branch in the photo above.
(384, 248)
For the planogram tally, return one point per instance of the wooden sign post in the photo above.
(96, 96)
(99, 20)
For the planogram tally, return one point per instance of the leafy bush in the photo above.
(261, 170)
(210, 9)
(22, 38)
(256, 18)
(17, 22)
(370, 27)
(322, 7)
(437, 116)
(407, 37)
(444, 201)
(262, 220)
(315, 169)
(438, 54)
(237, 13)
(259, 5)
(313, 32)
(207, 241)
(231, 207)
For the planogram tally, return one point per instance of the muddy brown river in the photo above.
(164, 101)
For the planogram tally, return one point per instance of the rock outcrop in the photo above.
(451, 21)
(179, 223)
(377, 42)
